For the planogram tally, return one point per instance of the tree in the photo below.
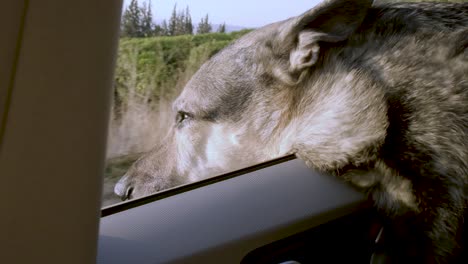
(180, 24)
(204, 26)
(131, 21)
(164, 28)
(222, 28)
(172, 30)
(147, 26)
(137, 21)
(158, 30)
(188, 22)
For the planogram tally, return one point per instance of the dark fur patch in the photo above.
(427, 114)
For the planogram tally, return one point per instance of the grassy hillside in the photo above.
(157, 63)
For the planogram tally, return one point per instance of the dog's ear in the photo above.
(330, 21)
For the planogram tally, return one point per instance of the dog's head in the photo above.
(238, 109)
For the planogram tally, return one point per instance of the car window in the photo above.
(162, 44)
(177, 118)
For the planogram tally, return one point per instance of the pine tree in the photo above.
(222, 28)
(188, 22)
(147, 21)
(180, 22)
(173, 22)
(158, 30)
(131, 21)
(164, 28)
(204, 26)
(180, 25)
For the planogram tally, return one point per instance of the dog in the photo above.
(376, 94)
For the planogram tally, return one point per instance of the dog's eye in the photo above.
(182, 116)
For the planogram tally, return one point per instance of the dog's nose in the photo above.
(128, 194)
(123, 189)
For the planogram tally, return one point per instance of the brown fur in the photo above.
(376, 95)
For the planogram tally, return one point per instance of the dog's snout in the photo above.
(124, 189)
(128, 193)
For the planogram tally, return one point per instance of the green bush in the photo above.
(156, 66)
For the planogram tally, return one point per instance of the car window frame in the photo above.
(68, 218)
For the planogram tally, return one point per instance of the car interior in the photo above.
(55, 94)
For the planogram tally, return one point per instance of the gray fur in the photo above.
(376, 95)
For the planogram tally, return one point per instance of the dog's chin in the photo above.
(133, 194)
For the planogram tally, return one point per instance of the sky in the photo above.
(246, 13)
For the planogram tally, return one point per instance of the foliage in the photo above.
(180, 22)
(188, 22)
(155, 64)
(222, 28)
(147, 25)
(204, 26)
(131, 25)
(137, 22)
(164, 29)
